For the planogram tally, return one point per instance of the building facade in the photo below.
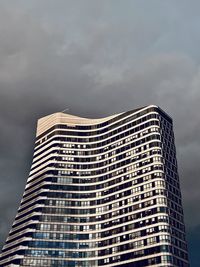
(101, 192)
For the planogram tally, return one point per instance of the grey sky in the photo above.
(98, 58)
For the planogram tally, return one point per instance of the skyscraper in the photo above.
(101, 192)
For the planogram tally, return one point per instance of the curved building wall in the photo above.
(101, 192)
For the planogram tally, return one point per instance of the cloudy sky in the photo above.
(98, 58)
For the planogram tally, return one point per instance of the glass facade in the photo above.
(101, 192)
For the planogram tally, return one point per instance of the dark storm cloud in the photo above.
(97, 58)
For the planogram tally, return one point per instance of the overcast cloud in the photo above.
(98, 58)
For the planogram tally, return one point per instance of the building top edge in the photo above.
(48, 121)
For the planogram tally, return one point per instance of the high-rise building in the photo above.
(101, 192)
